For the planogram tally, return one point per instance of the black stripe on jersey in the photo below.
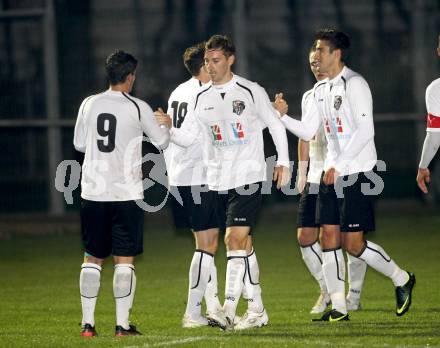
(198, 95)
(135, 104)
(247, 89)
(345, 83)
(321, 84)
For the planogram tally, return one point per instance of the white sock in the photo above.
(312, 256)
(252, 284)
(124, 287)
(234, 280)
(333, 267)
(89, 282)
(356, 275)
(211, 293)
(199, 272)
(378, 259)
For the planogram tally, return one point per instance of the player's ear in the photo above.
(231, 59)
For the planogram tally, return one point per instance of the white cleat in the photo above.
(251, 319)
(321, 304)
(353, 305)
(218, 318)
(189, 322)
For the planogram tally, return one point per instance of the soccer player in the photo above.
(109, 131)
(432, 139)
(308, 229)
(186, 175)
(231, 113)
(342, 104)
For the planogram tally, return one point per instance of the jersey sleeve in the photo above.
(309, 124)
(159, 135)
(361, 103)
(188, 131)
(269, 118)
(80, 131)
(433, 107)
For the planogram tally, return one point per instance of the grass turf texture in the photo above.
(40, 304)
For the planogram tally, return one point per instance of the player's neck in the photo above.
(335, 71)
(122, 87)
(228, 77)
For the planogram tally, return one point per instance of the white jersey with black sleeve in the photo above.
(344, 107)
(317, 145)
(184, 154)
(231, 118)
(109, 130)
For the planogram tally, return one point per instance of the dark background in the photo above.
(53, 52)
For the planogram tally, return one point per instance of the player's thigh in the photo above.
(327, 211)
(243, 206)
(307, 232)
(127, 229)
(356, 208)
(96, 228)
(205, 212)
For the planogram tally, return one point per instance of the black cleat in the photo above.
(120, 331)
(332, 316)
(88, 331)
(403, 295)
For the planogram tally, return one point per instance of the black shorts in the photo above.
(197, 209)
(240, 206)
(307, 206)
(112, 228)
(352, 210)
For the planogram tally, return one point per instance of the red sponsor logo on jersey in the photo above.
(238, 130)
(327, 126)
(339, 124)
(216, 132)
(432, 121)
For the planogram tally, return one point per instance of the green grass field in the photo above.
(40, 305)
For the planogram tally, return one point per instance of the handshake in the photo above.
(163, 119)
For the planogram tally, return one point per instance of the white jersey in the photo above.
(344, 107)
(109, 130)
(433, 106)
(184, 154)
(317, 145)
(231, 118)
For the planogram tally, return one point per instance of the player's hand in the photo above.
(423, 177)
(163, 118)
(280, 104)
(281, 175)
(330, 176)
(301, 181)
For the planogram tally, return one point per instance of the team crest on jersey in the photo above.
(238, 107)
(338, 101)
(216, 132)
(237, 128)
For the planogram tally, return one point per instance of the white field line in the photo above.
(171, 343)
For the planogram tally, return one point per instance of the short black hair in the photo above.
(221, 42)
(118, 65)
(194, 57)
(337, 40)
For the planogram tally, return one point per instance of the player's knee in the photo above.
(353, 247)
(235, 242)
(305, 237)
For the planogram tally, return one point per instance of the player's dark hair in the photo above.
(221, 42)
(118, 65)
(193, 58)
(337, 40)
